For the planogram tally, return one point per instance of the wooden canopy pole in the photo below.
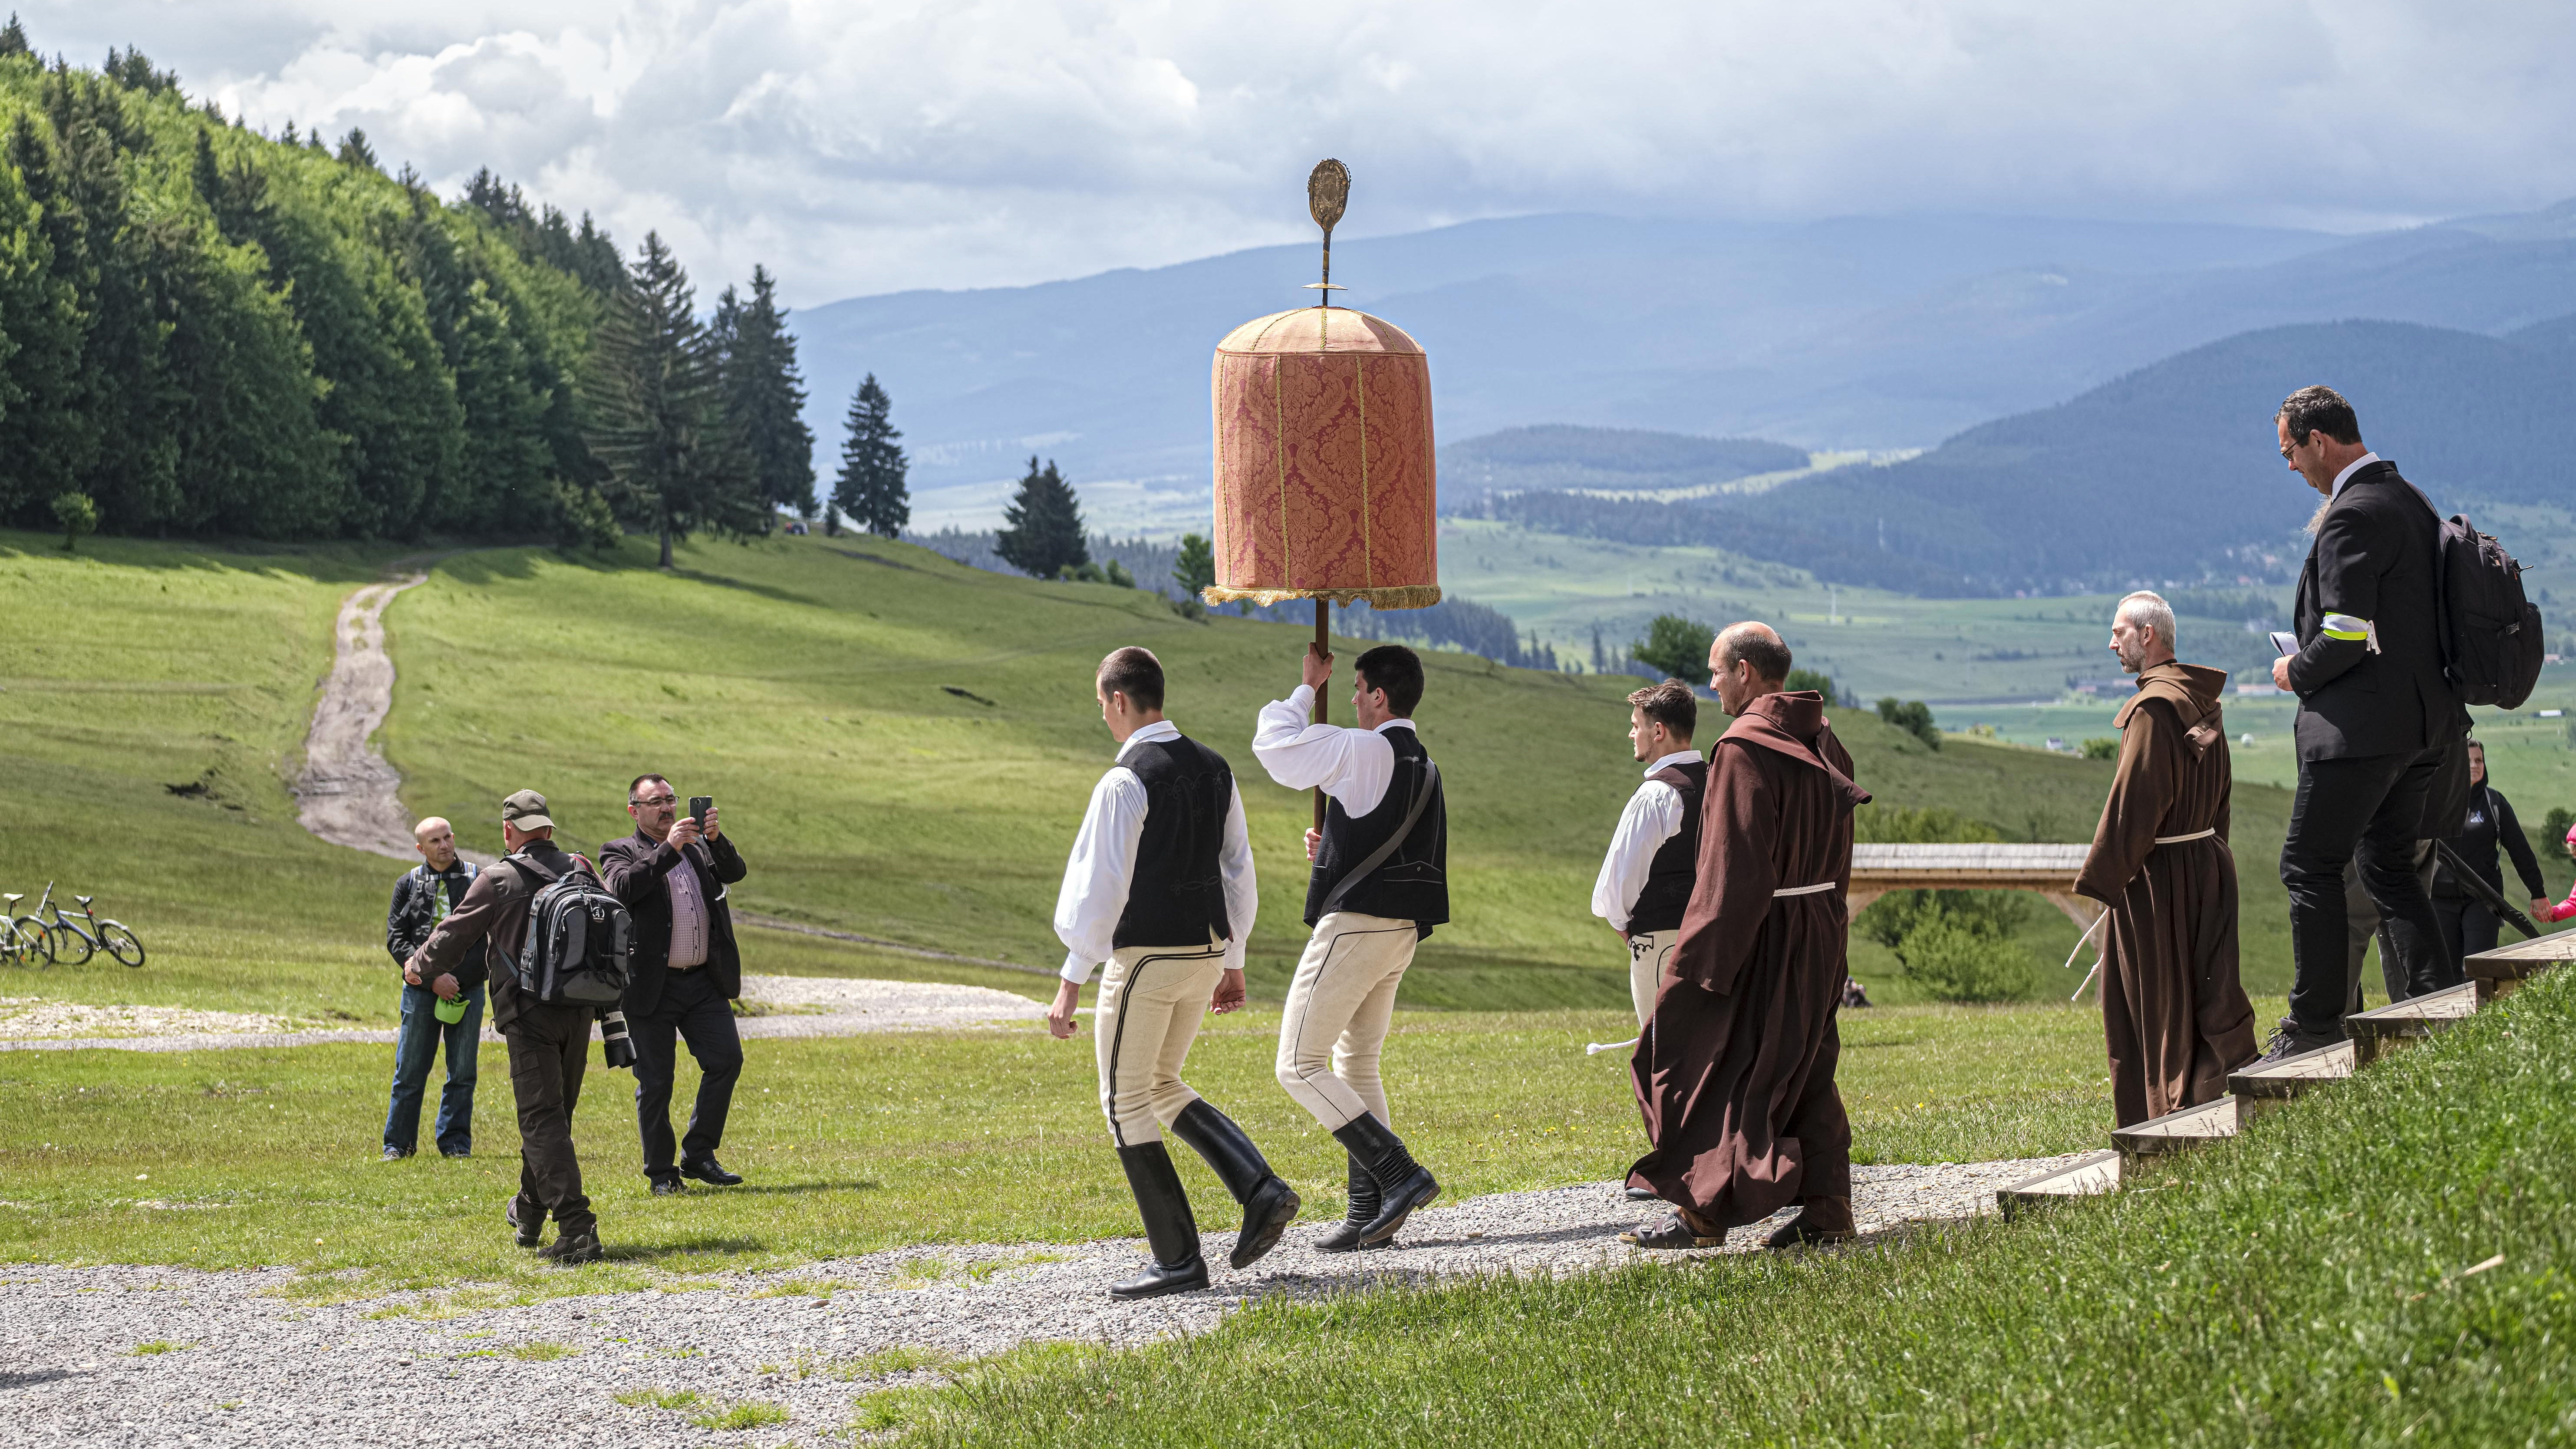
(1323, 646)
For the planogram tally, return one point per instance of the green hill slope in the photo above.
(902, 746)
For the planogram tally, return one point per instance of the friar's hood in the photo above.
(1791, 724)
(2193, 691)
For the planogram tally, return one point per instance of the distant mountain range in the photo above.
(1863, 333)
(2169, 473)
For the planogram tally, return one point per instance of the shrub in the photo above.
(1963, 958)
(2101, 748)
(1676, 648)
(2560, 817)
(1912, 716)
(77, 515)
(1815, 679)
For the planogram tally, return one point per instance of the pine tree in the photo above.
(1042, 530)
(871, 487)
(655, 390)
(765, 395)
(354, 150)
(1194, 567)
(13, 40)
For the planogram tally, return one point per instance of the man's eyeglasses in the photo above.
(656, 801)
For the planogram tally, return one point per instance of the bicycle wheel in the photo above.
(121, 943)
(35, 948)
(71, 946)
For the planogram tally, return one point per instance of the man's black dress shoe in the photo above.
(709, 1170)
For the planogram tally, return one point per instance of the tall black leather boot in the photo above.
(1169, 1229)
(1402, 1183)
(1346, 1237)
(1269, 1205)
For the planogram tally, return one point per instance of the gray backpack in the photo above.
(578, 940)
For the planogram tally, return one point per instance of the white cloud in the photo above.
(870, 147)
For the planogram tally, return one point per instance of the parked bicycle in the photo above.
(73, 945)
(24, 941)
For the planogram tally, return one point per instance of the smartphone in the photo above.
(699, 805)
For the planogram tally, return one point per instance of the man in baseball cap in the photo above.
(549, 1043)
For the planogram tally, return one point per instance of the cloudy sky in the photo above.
(869, 147)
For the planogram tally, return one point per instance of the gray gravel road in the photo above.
(244, 1366)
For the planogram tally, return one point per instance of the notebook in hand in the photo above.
(2285, 641)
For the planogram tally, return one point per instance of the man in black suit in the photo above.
(672, 874)
(2377, 719)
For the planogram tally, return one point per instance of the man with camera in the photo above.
(549, 1041)
(672, 874)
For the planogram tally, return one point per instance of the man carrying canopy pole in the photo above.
(1735, 1070)
(2175, 1018)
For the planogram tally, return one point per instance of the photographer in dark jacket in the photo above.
(2377, 720)
(672, 874)
(423, 896)
(2468, 927)
(549, 1043)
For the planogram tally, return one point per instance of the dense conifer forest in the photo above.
(209, 331)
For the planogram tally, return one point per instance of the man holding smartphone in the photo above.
(672, 874)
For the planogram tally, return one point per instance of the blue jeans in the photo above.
(415, 1049)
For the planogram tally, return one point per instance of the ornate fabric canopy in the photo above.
(1324, 473)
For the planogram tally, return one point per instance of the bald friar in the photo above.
(2174, 1016)
(1735, 1070)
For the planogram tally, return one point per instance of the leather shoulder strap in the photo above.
(1412, 816)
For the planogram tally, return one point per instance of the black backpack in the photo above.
(576, 952)
(2491, 642)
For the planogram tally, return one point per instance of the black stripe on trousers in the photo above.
(1338, 938)
(1118, 1038)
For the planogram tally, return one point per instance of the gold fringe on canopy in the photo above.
(1397, 596)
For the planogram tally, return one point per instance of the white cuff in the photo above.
(1076, 970)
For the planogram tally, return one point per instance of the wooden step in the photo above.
(2499, 971)
(2092, 1173)
(2176, 1131)
(2382, 1029)
(2264, 1088)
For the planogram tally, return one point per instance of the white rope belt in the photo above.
(2179, 839)
(1803, 890)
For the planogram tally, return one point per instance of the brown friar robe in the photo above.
(2173, 1013)
(1735, 1070)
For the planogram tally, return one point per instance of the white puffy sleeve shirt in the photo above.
(1353, 766)
(1103, 864)
(1654, 813)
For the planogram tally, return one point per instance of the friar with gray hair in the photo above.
(2174, 1016)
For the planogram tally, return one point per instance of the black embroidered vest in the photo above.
(1675, 869)
(1177, 893)
(1413, 883)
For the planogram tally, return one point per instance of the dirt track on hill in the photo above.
(350, 794)
(347, 793)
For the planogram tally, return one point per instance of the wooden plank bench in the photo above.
(2094, 1172)
(2264, 1088)
(2176, 1131)
(2500, 971)
(2382, 1029)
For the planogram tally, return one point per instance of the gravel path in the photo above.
(241, 1365)
(346, 793)
(796, 1006)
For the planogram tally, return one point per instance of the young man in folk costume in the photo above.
(2175, 1019)
(1735, 1070)
(1379, 885)
(1653, 862)
(1160, 887)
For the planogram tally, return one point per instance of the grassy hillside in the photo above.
(902, 746)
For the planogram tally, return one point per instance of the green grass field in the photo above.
(807, 684)
(240, 1158)
(2386, 1263)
